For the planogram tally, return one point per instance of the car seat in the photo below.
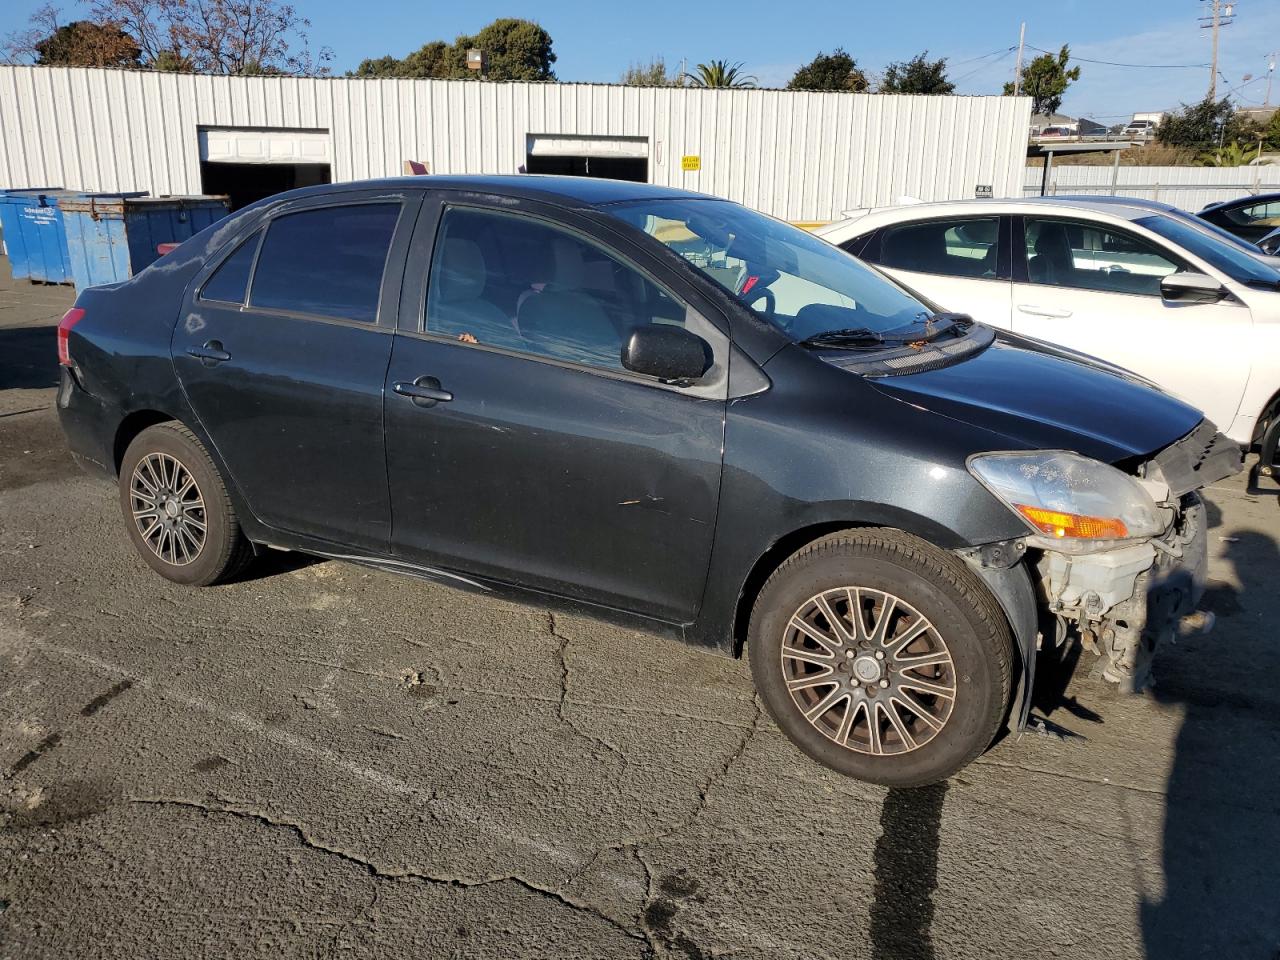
(459, 305)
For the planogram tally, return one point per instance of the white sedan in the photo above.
(1139, 285)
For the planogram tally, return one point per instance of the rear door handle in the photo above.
(424, 392)
(1042, 311)
(210, 353)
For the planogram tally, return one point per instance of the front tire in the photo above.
(882, 657)
(177, 510)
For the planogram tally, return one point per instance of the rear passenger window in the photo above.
(230, 281)
(327, 261)
(509, 281)
(948, 248)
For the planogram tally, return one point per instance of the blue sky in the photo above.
(595, 41)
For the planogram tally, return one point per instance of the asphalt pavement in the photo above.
(320, 760)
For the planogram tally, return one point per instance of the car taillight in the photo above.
(69, 320)
(163, 248)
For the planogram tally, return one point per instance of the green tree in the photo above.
(834, 71)
(434, 60)
(651, 74)
(721, 73)
(1045, 79)
(514, 50)
(1208, 124)
(918, 75)
(84, 43)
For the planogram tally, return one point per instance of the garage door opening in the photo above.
(246, 183)
(617, 158)
(249, 163)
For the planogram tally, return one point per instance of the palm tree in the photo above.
(721, 73)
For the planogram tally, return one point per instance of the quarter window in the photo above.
(230, 282)
(1088, 256)
(328, 261)
(1265, 214)
(509, 281)
(948, 248)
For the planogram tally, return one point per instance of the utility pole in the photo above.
(1017, 71)
(1271, 69)
(1222, 15)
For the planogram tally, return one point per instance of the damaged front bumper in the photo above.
(1119, 599)
(1123, 602)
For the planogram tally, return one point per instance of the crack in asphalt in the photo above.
(561, 652)
(379, 872)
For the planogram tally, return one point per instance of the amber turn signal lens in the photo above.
(1073, 524)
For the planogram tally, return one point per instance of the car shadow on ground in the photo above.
(30, 357)
(1221, 840)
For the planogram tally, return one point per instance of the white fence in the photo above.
(1190, 188)
(801, 156)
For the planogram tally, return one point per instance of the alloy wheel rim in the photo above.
(168, 509)
(868, 671)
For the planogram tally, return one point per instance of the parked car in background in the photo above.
(1139, 287)
(1140, 130)
(659, 408)
(1250, 218)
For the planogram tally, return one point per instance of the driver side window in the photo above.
(517, 283)
(1090, 256)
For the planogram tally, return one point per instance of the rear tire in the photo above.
(177, 510)
(908, 693)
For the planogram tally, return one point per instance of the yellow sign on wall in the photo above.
(691, 163)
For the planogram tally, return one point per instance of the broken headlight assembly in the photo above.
(1070, 502)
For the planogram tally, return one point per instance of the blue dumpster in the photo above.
(111, 238)
(33, 233)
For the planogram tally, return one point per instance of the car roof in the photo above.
(1114, 208)
(571, 191)
(1242, 201)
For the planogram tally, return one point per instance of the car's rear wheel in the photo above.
(882, 657)
(177, 510)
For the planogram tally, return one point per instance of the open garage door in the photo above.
(248, 164)
(618, 158)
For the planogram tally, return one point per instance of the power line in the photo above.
(991, 63)
(1141, 66)
(961, 63)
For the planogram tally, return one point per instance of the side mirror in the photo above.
(1270, 244)
(1191, 288)
(666, 352)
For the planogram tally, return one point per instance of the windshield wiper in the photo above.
(936, 324)
(845, 337)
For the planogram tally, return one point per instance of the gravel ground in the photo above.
(322, 760)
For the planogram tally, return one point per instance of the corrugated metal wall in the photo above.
(1190, 188)
(802, 156)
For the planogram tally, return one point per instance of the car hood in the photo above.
(1047, 397)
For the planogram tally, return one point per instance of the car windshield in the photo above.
(1233, 260)
(801, 284)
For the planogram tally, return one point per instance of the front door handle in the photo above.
(424, 392)
(1042, 311)
(210, 353)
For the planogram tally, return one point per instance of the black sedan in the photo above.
(1251, 218)
(655, 407)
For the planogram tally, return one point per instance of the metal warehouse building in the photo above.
(801, 156)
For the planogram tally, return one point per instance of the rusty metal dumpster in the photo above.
(111, 238)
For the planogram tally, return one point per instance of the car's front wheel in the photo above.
(177, 510)
(882, 657)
